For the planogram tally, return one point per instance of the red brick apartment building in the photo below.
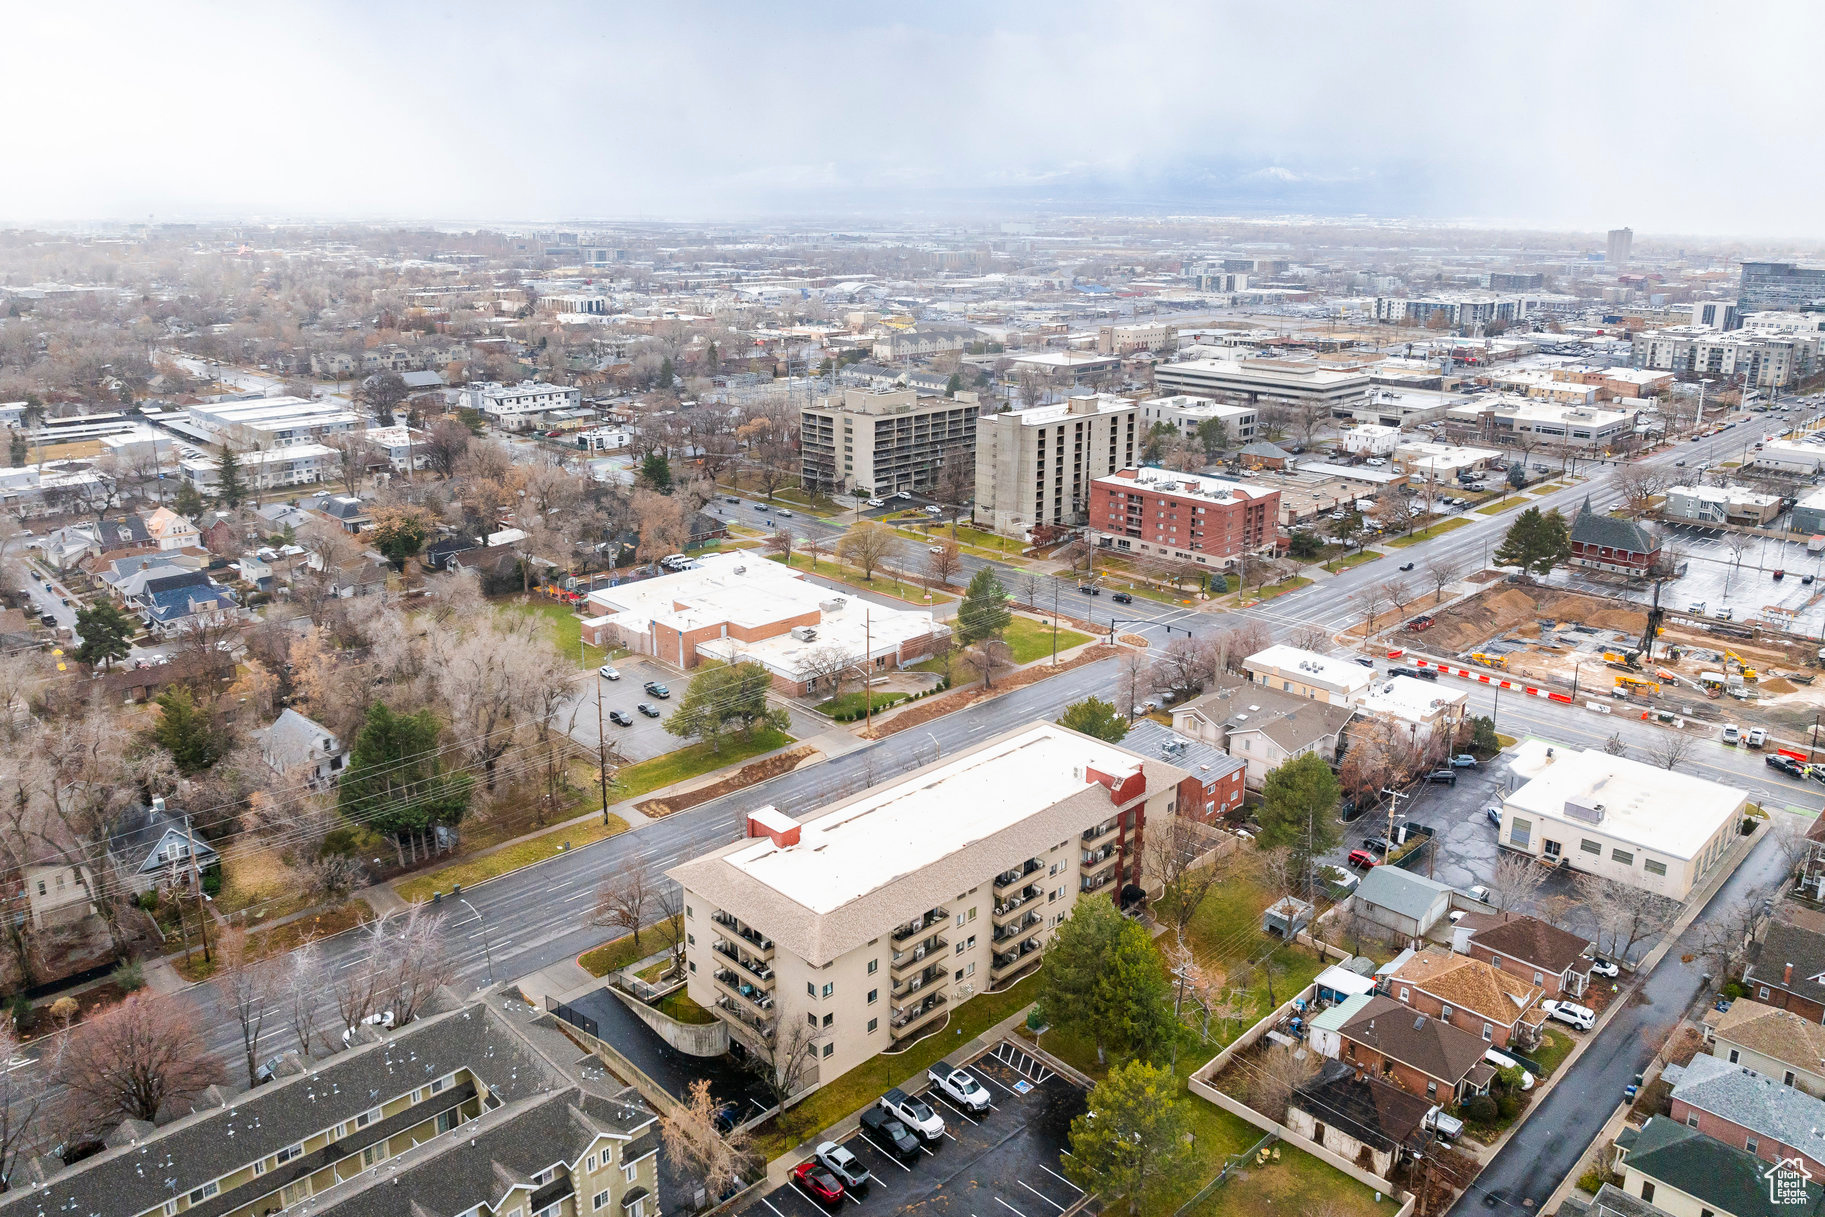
(1185, 517)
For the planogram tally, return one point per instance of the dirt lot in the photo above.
(1470, 623)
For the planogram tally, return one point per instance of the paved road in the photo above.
(1532, 1164)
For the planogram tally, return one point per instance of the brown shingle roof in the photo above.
(1436, 1049)
(1469, 984)
(1773, 1032)
(1546, 947)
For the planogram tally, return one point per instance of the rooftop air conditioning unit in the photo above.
(804, 633)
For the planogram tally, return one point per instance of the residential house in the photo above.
(441, 554)
(1469, 993)
(170, 603)
(1680, 1171)
(349, 514)
(271, 565)
(1787, 963)
(298, 746)
(1261, 727)
(1416, 1052)
(1605, 542)
(151, 845)
(1263, 455)
(170, 530)
(1741, 1107)
(1775, 1043)
(1557, 963)
(1398, 900)
(1220, 774)
(1359, 1118)
(57, 892)
(221, 538)
(145, 681)
(1324, 1029)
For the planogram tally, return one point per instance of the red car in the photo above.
(1363, 858)
(818, 1183)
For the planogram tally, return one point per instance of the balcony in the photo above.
(1013, 930)
(1007, 909)
(756, 1000)
(920, 925)
(1006, 963)
(1091, 884)
(731, 928)
(932, 976)
(917, 954)
(1097, 859)
(752, 969)
(760, 1028)
(1102, 833)
(909, 1019)
(1011, 878)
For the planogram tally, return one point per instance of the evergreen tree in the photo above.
(1299, 811)
(188, 501)
(1214, 435)
(656, 472)
(1536, 542)
(1067, 978)
(228, 482)
(19, 454)
(712, 362)
(984, 611)
(185, 731)
(1135, 1139)
(953, 384)
(724, 698)
(666, 373)
(106, 633)
(396, 782)
(1096, 717)
(1129, 1013)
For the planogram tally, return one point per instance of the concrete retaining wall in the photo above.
(692, 1039)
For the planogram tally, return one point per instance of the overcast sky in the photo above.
(1672, 118)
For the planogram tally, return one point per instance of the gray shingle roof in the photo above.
(1760, 1104)
(1592, 527)
(1206, 762)
(1720, 1176)
(1784, 943)
(1400, 891)
(1436, 1049)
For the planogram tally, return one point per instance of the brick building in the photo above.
(1184, 516)
(1604, 542)
(1416, 1052)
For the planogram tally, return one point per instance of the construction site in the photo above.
(1601, 647)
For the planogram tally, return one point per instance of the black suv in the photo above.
(1442, 777)
(620, 718)
(1122, 598)
(888, 1134)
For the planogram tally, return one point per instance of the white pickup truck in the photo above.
(959, 1087)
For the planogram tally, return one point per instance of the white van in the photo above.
(1732, 733)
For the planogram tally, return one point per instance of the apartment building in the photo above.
(518, 407)
(1722, 505)
(1771, 359)
(1186, 414)
(882, 441)
(871, 918)
(1458, 308)
(1035, 467)
(269, 422)
(1124, 339)
(1780, 285)
(1184, 516)
(1263, 381)
(474, 1108)
(291, 465)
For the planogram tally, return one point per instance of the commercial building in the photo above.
(1809, 513)
(270, 422)
(1621, 241)
(1420, 708)
(1617, 818)
(1715, 314)
(1789, 456)
(1034, 467)
(1723, 505)
(1185, 517)
(881, 441)
(1387, 406)
(1125, 339)
(1076, 367)
(470, 1108)
(1544, 386)
(518, 407)
(734, 606)
(1780, 285)
(1257, 382)
(1604, 542)
(869, 920)
(1516, 418)
(1187, 414)
(1443, 462)
(1337, 682)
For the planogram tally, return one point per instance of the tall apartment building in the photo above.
(1261, 381)
(1779, 285)
(884, 440)
(1768, 359)
(869, 920)
(1514, 281)
(1035, 466)
(1184, 517)
(1715, 314)
(1621, 241)
(473, 1108)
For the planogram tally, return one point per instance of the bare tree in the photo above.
(137, 1056)
(1177, 855)
(943, 563)
(1517, 877)
(695, 1146)
(814, 545)
(248, 987)
(1640, 484)
(1671, 749)
(1738, 544)
(1614, 745)
(300, 987)
(779, 542)
(1398, 593)
(1133, 681)
(1724, 935)
(825, 668)
(24, 1096)
(1309, 638)
(622, 900)
(1279, 1071)
(1368, 601)
(418, 960)
(866, 545)
(794, 1039)
(1625, 914)
(986, 657)
(1441, 572)
(1184, 665)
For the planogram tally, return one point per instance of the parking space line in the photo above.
(890, 1157)
(1041, 1195)
(1048, 1170)
(966, 1115)
(769, 1204)
(998, 1200)
(985, 1076)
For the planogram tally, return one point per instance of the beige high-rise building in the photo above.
(1035, 466)
(1621, 242)
(860, 928)
(884, 440)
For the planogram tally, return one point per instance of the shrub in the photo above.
(1508, 1106)
(129, 976)
(148, 901)
(1733, 990)
(1480, 1109)
(212, 881)
(65, 1010)
(19, 1006)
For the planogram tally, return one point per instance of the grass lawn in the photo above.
(1297, 1184)
(679, 1006)
(1291, 584)
(1553, 1049)
(1030, 640)
(1500, 505)
(617, 953)
(864, 1083)
(1505, 741)
(1428, 532)
(260, 883)
(1338, 565)
(563, 627)
(851, 702)
(510, 857)
(1548, 488)
(692, 761)
(969, 540)
(884, 584)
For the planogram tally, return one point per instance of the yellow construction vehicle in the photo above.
(1636, 684)
(1748, 673)
(1490, 661)
(1631, 659)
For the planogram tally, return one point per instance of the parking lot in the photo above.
(647, 737)
(1004, 1164)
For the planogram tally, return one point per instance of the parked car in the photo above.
(607, 672)
(1479, 892)
(1756, 738)
(816, 1181)
(1604, 967)
(1122, 598)
(1379, 846)
(1786, 765)
(1571, 1014)
(958, 1086)
(729, 498)
(932, 509)
(266, 1072)
(657, 690)
(876, 503)
(1426, 674)
(848, 1168)
(620, 718)
(1363, 858)
(1733, 734)
(915, 1113)
(888, 1134)
(1494, 814)
(650, 711)
(1447, 1126)
(1442, 777)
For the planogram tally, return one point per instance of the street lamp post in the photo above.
(486, 952)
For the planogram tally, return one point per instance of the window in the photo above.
(446, 1120)
(688, 912)
(872, 994)
(629, 1171)
(959, 918)
(203, 1193)
(1445, 1014)
(293, 1151)
(598, 1202)
(873, 966)
(1787, 1078)
(373, 1153)
(690, 940)
(829, 989)
(1520, 832)
(971, 945)
(958, 976)
(969, 969)
(637, 1208)
(1652, 867)
(828, 1019)
(1764, 993)
(1647, 1191)
(1404, 993)
(1539, 979)
(1734, 1055)
(1624, 856)
(810, 989)
(957, 947)
(811, 1019)
(872, 1024)
(1591, 847)
(1488, 1033)
(1432, 1090)
(1750, 1144)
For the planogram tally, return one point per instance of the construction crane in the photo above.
(1655, 615)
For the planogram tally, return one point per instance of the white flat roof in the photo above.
(1407, 698)
(1311, 666)
(897, 830)
(1189, 485)
(1658, 809)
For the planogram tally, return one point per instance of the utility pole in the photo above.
(196, 876)
(1055, 623)
(867, 671)
(1394, 798)
(601, 749)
